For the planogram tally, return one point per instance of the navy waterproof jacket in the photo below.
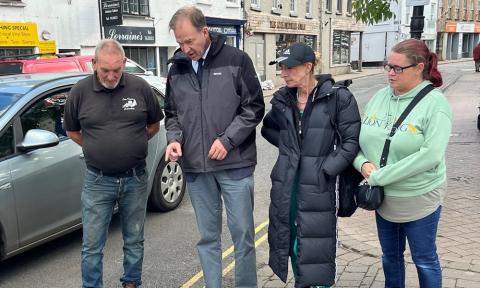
(306, 151)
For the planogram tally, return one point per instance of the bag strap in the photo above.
(333, 106)
(418, 97)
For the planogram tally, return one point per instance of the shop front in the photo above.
(266, 36)
(229, 27)
(139, 45)
(18, 39)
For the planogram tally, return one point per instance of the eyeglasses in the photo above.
(397, 69)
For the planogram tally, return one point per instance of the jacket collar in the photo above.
(218, 41)
(286, 95)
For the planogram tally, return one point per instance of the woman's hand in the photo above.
(367, 169)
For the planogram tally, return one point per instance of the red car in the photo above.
(60, 64)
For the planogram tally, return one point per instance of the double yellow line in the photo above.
(225, 254)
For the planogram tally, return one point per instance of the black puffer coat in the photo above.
(306, 147)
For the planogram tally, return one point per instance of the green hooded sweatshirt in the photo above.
(416, 161)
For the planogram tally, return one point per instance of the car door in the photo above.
(47, 182)
(8, 216)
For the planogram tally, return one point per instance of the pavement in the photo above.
(458, 240)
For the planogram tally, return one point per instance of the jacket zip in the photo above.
(194, 74)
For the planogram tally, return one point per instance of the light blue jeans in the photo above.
(421, 235)
(206, 192)
(99, 196)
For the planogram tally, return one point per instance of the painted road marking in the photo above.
(225, 254)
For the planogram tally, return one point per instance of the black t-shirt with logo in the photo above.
(112, 121)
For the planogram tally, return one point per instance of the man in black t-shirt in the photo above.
(112, 115)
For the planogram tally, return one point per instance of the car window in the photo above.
(161, 99)
(6, 143)
(11, 68)
(7, 100)
(132, 68)
(46, 114)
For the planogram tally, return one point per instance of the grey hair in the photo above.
(111, 45)
(191, 13)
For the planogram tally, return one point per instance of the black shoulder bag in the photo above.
(348, 179)
(371, 197)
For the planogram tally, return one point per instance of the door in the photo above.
(8, 216)
(257, 48)
(47, 182)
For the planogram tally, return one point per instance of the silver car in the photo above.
(41, 169)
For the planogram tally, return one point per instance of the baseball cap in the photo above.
(296, 54)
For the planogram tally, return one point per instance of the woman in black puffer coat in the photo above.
(303, 220)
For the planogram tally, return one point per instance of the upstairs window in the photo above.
(136, 7)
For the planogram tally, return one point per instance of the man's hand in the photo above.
(367, 169)
(217, 151)
(173, 151)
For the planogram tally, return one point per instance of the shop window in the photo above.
(341, 47)
(285, 40)
(145, 56)
(15, 51)
(136, 7)
(235, 2)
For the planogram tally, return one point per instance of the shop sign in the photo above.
(131, 35)
(18, 34)
(47, 47)
(111, 13)
(451, 27)
(223, 29)
(286, 25)
(465, 27)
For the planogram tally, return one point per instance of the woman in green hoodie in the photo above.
(414, 176)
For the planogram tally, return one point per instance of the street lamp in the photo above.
(418, 20)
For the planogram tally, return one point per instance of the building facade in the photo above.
(379, 38)
(458, 28)
(272, 25)
(336, 27)
(29, 26)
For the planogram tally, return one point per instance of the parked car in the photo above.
(41, 169)
(67, 63)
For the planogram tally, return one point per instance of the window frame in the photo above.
(136, 7)
(339, 8)
(328, 6)
(342, 48)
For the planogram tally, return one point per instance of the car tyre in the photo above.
(168, 188)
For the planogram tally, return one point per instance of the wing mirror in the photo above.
(38, 138)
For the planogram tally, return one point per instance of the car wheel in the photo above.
(168, 187)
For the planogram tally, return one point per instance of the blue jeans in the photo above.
(99, 196)
(206, 191)
(421, 235)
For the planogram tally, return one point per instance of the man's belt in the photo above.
(135, 171)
